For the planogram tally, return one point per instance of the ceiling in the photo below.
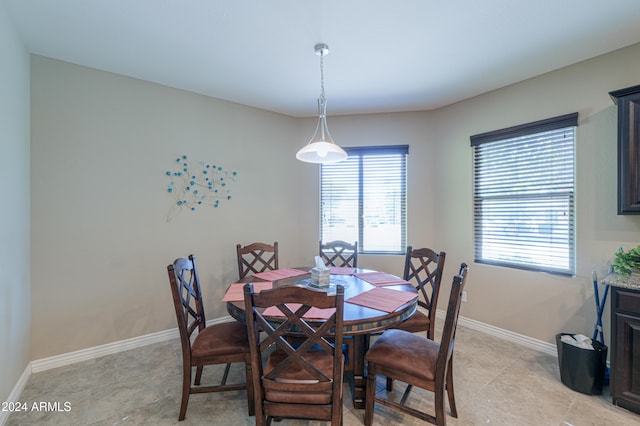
(384, 56)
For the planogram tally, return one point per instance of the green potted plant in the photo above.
(626, 262)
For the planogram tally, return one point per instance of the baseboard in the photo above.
(14, 396)
(102, 350)
(108, 349)
(162, 336)
(529, 342)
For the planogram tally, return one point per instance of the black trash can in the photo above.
(582, 369)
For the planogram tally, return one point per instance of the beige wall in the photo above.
(14, 226)
(535, 304)
(102, 142)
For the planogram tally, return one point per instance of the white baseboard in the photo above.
(529, 342)
(162, 336)
(14, 396)
(109, 348)
(98, 351)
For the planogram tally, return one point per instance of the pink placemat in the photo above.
(381, 278)
(279, 274)
(382, 299)
(235, 292)
(313, 313)
(341, 270)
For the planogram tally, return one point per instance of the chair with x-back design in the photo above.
(423, 268)
(256, 257)
(339, 253)
(302, 377)
(222, 343)
(417, 361)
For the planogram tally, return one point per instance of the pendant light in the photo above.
(321, 148)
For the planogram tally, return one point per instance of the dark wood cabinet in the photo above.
(625, 348)
(628, 101)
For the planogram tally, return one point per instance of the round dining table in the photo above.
(359, 321)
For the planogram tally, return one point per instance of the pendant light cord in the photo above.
(322, 97)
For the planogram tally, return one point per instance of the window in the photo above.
(363, 198)
(523, 196)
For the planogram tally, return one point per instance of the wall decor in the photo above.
(200, 185)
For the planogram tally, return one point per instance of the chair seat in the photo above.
(227, 338)
(416, 323)
(284, 389)
(406, 353)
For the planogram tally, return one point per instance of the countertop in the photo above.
(627, 281)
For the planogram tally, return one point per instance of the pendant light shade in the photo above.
(321, 148)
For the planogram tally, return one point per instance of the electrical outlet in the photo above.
(464, 296)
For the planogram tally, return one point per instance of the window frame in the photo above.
(362, 153)
(529, 130)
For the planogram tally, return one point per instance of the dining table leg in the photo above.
(359, 389)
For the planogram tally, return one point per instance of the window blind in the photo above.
(524, 198)
(363, 198)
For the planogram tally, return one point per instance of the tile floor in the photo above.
(496, 382)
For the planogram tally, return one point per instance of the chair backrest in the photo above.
(339, 253)
(451, 321)
(423, 268)
(256, 257)
(187, 298)
(298, 341)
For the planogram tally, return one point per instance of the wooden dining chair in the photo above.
(302, 376)
(222, 343)
(417, 361)
(342, 254)
(339, 253)
(256, 257)
(423, 268)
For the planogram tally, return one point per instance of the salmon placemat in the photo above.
(341, 270)
(278, 274)
(235, 292)
(313, 313)
(382, 299)
(381, 278)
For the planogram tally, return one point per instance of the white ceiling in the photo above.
(384, 56)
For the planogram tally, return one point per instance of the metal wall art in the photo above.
(200, 185)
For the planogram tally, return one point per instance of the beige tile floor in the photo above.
(496, 382)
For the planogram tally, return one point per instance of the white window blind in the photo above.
(363, 198)
(524, 196)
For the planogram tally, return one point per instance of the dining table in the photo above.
(374, 301)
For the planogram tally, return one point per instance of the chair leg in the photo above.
(336, 411)
(336, 419)
(198, 375)
(225, 375)
(186, 389)
(405, 395)
(370, 395)
(439, 405)
(450, 394)
(251, 403)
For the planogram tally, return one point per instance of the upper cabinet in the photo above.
(628, 101)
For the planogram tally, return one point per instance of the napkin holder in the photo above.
(320, 277)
